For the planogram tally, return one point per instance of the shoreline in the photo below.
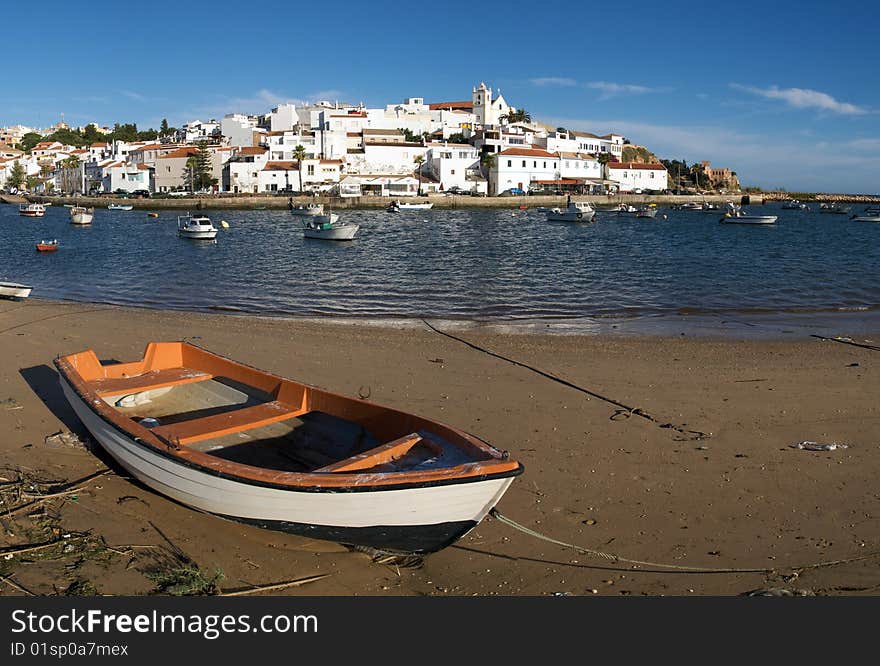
(701, 471)
(727, 325)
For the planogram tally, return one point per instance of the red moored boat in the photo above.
(47, 246)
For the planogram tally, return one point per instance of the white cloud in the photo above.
(553, 81)
(610, 89)
(804, 98)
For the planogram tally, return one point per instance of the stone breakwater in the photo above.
(821, 196)
(238, 202)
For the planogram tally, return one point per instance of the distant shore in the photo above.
(251, 202)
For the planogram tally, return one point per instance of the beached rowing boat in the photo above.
(248, 445)
(14, 290)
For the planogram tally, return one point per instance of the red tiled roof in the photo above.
(253, 150)
(281, 166)
(187, 151)
(528, 152)
(438, 106)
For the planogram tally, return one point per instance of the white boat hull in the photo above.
(81, 218)
(338, 232)
(866, 218)
(198, 235)
(411, 206)
(570, 216)
(418, 519)
(14, 290)
(307, 212)
(750, 219)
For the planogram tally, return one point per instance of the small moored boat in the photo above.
(794, 204)
(575, 211)
(736, 215)
(47, 245)
(32, 210)
(871, 214)
(120, 207)
(307, 211)
(196, 228)
(14, 290)
(328, 227)
(247, 445)
(397, 207)
(81, 215)
(834, 208)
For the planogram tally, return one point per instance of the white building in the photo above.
(385, 185)
(197, 130)
(453, 165)
(282, 117)
(570, 141)
(279, 176)
(239, 129)
(519, 167)
(282, 144)
(632, 176)
(126, 177)
(242, 173)
(385, 157)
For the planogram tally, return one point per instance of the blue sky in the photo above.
(783, 93)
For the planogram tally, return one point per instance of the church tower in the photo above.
(482, 98)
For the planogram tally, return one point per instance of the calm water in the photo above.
(471, 264)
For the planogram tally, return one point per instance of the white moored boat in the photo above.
(247, 445)
(308, 211)
(575, 211)
(197, 228)
(328, 227)
(120, 207)
(871, 214)
(735, 215)
(794, 204)
(81, 215)
(397, 207)
(14, 290)
(32, 210)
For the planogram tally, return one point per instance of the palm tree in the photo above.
(516, 116)
(488, 162)
(419, 160)
(299, 153)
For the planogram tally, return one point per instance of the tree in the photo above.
(419, 160)
(200, 170)
(299, 154)
(29, 140)
(488, 162)
(16, 176)
(163, 127)
(92, 135)
(148, 135)
(127, 132)
(458, 137)
(516, 116)
(68, 137)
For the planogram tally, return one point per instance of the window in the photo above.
(545, 165)
(310, 169)
(452, 171)
(524, 164)
(508, 163)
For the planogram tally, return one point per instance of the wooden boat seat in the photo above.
(217, 425)
(381, 454)
(152, 379)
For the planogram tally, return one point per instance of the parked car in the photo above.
(511, 192)
(141, 193)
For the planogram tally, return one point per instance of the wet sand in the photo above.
(702, 475)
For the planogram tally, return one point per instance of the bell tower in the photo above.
(482, 98)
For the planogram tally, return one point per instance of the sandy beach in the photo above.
(667, 451)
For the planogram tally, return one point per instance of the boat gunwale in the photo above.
(496, 467)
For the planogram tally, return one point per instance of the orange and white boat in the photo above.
(244, 444)
(47, 246)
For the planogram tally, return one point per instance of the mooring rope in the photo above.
(497, 515)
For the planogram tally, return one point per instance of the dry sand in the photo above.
(648, 489)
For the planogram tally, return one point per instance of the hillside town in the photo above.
(482, 146)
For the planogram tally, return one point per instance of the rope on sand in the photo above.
(846, 342)
(624, 411)
(497, 515)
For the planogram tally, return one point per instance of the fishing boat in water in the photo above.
(32, 210)
(574, 211)
(81, 215)
(834, 208)
(310, 210)
(398, 207)
(47, 246)
(120, 207)
(247, 445)
(794, 204)
(736, 215)
(196, 227)
(871, 214)
(328, 227)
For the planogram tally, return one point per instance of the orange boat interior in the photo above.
(192, 401)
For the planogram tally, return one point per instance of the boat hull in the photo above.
(198, 235)
(422, 518)
(337, 233)
(750, 219)
(81, 218)
(570, 217)
(866, 218)
(307, 212)
(14, 290)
